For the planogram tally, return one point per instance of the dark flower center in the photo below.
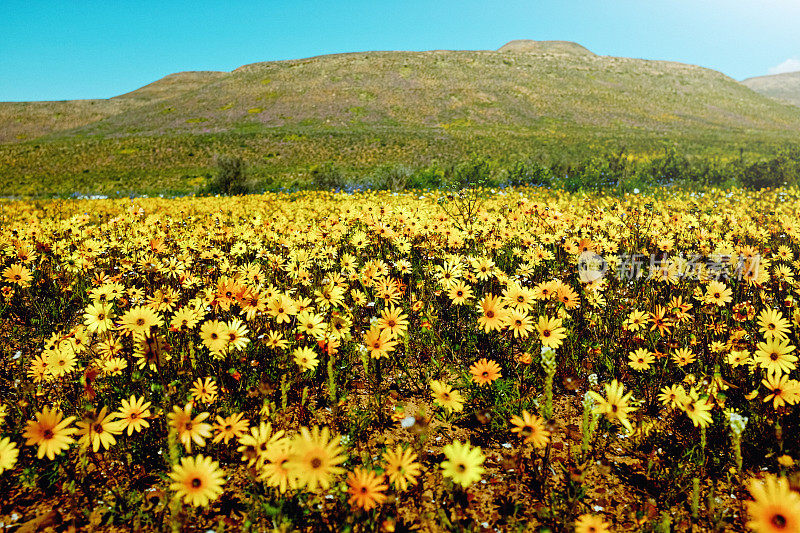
(779, 521)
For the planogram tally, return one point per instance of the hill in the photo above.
(549, 99)
(784, 87)
(20, 121)
(544, 47)
(172, 85)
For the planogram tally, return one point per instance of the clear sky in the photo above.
(65, 49)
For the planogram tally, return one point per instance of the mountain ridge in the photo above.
(783, 87)
(551, 99)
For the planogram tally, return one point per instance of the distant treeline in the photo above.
(610, 171)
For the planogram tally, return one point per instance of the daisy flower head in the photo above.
(485, 371)
(366, 488)
(379, 342)
(532, 428)
(463, 464)
(445, 397)
(18, 274)
(402, 467)
(772, 324)
(306, 358)
(589, 523)
(615, 405)
(187, 428)
(683, 357)
(204, 390)
(274, 470)
(775, 508)
(8, 454)
(672, 396)
(140, 320)
(775, 355)
(51, 432)
(98, 429)
(493, 313)
(198, 480)
(316, 457)
(697, 409)
(640, 359)
(551, 333)
(133, 414)
(232, 427)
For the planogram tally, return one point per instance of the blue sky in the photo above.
(64, 49)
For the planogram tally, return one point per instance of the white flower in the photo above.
(588, 401)
(737, 422)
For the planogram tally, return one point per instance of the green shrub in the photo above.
(783, 169)
(327, 176)
(475, 172)
(391, 177)
(529, 173)
(430, 177)
(230, 177)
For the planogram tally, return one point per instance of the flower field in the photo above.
(513, 360)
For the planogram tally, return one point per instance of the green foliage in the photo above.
(551, 111)
(327, 176)
(529, 173)
(230, 178)
(475, 172)
(782, 170)
(391, 177)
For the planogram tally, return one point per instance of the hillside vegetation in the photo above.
(550, 100)
(784, 87)
(28, 120)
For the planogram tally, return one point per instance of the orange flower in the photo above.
(532, 428)
(484, 371)
(51, 432)
(18, 274)
(366, 488)
(775, 507)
